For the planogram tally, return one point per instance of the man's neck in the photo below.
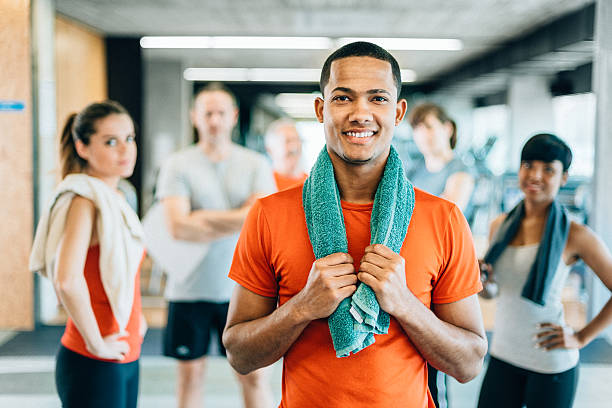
(217, 150)
(357, 183)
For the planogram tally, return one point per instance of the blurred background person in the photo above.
(89, 242)
(206, 190)
(284, 146)
(443, 174)
(534, 353)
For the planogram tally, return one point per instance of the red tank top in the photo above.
(73, 340)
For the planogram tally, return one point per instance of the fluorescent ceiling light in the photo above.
(296, 100)
(284, 74)
(294, 43)
(407, 44)
(306, 113)
(305, 43)
(216, 74)
(253, 74)
(290, 43)
(175, 42)
(297, 105)
(266, 74)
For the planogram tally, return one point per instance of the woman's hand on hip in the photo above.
(553, 336)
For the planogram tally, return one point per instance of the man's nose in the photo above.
(214, 119)
(361, 111)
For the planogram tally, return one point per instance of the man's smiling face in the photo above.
(360, 110)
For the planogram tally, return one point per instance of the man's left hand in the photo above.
(385, 272)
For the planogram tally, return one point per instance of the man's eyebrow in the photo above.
(343, 89)
(370, 92)
(376, 91)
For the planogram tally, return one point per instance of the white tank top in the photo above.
(516, 317)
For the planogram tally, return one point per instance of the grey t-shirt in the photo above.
(435, 183)
(213, 186)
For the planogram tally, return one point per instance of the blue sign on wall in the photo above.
(11, 106)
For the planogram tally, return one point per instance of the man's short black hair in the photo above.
(547, 148)
(361, 49)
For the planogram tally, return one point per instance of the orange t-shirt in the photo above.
(284, 182)
(73, 340)
(274, 257)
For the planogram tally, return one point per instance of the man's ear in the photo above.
(318, 107)
(236, 113)
(400, 111)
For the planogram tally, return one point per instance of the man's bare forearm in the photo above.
(258, 343)
(223, 221)
(208, 225)
(456, 351)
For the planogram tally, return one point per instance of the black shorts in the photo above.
(190, 326)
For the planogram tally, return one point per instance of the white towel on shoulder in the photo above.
(119, 233)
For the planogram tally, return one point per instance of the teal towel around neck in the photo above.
(550, 250)
(357, 318)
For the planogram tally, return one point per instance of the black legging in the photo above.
(507, 386)
(87, 383)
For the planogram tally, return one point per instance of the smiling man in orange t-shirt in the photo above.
(284, 296)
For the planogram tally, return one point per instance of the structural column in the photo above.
(45, 130)
(531, 112)
(601, 220)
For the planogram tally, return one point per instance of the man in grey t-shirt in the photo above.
(207, 190)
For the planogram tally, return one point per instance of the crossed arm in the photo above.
(451, 338)
(202, 225)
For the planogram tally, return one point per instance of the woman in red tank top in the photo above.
(97, 364)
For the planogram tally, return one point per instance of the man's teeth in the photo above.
(360, 134)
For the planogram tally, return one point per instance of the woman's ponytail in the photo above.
(70, 162)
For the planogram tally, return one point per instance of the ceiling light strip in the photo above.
(294, 43)
(290, 43)
(409, 44)
(265, 74)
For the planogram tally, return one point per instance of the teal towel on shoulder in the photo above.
(358, 318)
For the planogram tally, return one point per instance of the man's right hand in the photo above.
(331, 279)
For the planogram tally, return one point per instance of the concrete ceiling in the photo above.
(482, 25)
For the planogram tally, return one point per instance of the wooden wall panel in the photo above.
(80, 68)
(16, 169)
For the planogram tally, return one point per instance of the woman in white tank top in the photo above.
(534, 354)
